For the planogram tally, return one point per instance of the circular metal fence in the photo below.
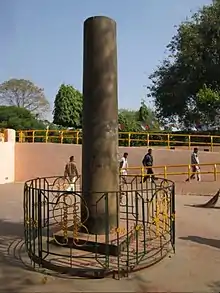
(58, 239)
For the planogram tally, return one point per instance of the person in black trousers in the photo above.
(148, 162)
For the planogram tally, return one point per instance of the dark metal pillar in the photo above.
(100, 123)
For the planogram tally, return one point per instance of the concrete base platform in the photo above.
(112, 244)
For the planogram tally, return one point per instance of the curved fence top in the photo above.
(59, 184)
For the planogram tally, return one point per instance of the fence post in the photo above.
(165, 172)
(142, 173)
(61, 137)
(189, 142)
(168, 140)
(215, 172)
(33, 135)
(148, 139)
(189, 171)
(77, 137)
(211, 143)
(129, 139)
(46, 137)
(20, 136)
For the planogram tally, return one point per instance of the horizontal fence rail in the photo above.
(177, 170)
(125, 138)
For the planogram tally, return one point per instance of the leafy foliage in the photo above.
(68, 107)
(129, 120)
(18, 118)
(209, 104)
(132, 120)
(147, 117)
(193, 62)
(25, 94)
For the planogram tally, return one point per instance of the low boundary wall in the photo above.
(23, 161)
(38, 160)
(7, 157)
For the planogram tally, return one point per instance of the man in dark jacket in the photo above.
(148, 162)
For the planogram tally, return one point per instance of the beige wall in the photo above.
(7, 157)
(7, 153)
(40, 159)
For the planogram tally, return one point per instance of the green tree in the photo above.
(25, 94)
(147, 117)
(193, 61)
(68, 107)
(18, 118)
(132, 120)
(129, 120)
(209, 104)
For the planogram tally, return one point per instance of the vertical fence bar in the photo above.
(211, 143)
(129, 139)
(148, 140)
(127, 232)
(189, 142)
(46, 136)
(33, 136)
(39, 223)
(165, 172)
(173, 217)
(142, 173)
(77, 137)
(20, 135)
(107, 229)
(168, 140)
(61, 137)
(215, 172)
(136, 225)
(189, 171)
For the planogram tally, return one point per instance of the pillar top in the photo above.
(100, 17)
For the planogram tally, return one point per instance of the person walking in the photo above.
(123, 170)
(123, 166)
(195, 166)
(71, 173)
(148, 162)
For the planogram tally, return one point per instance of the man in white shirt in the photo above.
(195, 166)
(124, 164)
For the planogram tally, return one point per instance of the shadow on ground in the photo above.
(215, 287)
(14, 275)
(200, 207)
(201, 240)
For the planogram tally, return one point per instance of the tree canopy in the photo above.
(133, 121)
(68, 107)
(18, 118)
(185, 87)
(25, 94)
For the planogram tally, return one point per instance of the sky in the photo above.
(41, 41)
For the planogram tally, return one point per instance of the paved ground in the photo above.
(194, 268)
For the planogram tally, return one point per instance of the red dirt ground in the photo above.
(194, 267)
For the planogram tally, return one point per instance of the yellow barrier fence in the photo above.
(2, 135)
(125, 138)
(176, 170)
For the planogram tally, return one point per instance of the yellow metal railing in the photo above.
(174, 170)
(125, 138)
(2, 136)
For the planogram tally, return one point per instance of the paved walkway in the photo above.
(194, 267)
